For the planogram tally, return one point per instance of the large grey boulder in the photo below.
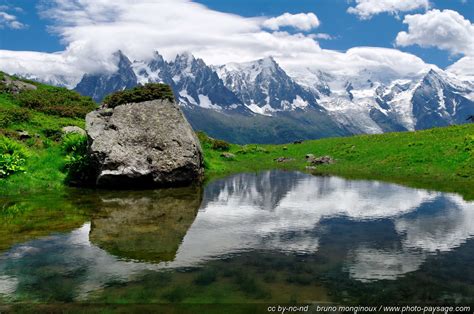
(147, 144)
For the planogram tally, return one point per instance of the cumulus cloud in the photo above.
(46, 66)
(464, 67)
(366, 9)
(301, 21)
(9, 20)
(92, 30)
(446, 30)
(392, 62)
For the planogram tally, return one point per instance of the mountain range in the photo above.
(260, 102)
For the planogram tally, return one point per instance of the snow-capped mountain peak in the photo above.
(264, 87)
(152, 71)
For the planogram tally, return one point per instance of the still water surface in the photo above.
(273, 236)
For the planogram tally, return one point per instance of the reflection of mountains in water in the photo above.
(263, 191)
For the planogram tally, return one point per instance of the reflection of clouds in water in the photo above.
(8, 285)
(446, 228)
(228, 223)
(101, 266)
(370, 264)
(440, 225)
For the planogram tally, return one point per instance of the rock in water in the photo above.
(147, 144)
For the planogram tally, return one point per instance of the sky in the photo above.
(70, 37)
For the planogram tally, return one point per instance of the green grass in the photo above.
(57, 101)
(440, 159)
(46, 159)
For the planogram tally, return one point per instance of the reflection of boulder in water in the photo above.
(146, 226)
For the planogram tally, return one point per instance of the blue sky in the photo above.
(346, 29)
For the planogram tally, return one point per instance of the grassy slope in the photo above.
(45, 155)
(440, 159)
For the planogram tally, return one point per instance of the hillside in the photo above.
(31, 118)
(31, 121)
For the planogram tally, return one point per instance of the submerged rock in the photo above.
(147, 144)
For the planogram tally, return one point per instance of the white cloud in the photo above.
(446, 30)
(43, 65)
(464, 67)
(301, 21)
(391, 62)
(9, 20)
(321, 36)
(366, 9)
(92, 30)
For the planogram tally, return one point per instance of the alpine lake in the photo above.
(274, 237)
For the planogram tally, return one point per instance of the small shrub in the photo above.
(209, 142)
(74, 142)
(78, 164)
(220, 145)
(204, 139)
(8, 146)
(12, 157)
(150, 91)
(13, 115)
(53, 134)
(469, 143)
(252, 149)
(56, 101)
(19, 115)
